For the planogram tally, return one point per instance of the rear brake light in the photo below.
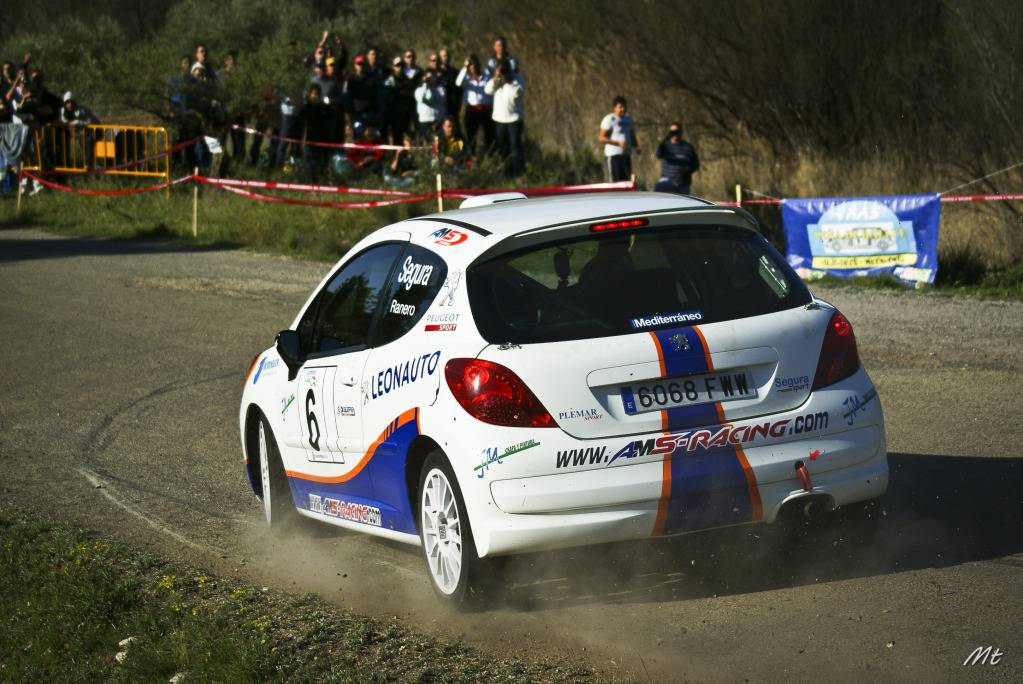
(839, 358)
(615, 225)
(493, 394)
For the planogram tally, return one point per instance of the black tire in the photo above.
(278, 503)
(445, 539)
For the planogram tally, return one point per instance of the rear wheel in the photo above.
(278, 504)
(458, 575)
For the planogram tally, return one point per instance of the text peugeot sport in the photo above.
(523, 374)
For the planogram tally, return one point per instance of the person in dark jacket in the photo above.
(363, 97)
(318, 122)
(678, 163)
(39, 101)
(398, 95)
(448, 78)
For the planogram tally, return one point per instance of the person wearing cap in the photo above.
(618, 133)
(74, 114)
(363, 97)
(333, 94)
(398, 96)
(678, 162)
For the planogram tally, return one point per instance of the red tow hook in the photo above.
(804, 476)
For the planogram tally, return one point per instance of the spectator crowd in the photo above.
(25, 99)
(468, 111)
(458, 113)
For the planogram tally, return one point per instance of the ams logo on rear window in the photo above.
(449, 237)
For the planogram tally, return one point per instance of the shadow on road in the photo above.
(939, 511)
(151, 242)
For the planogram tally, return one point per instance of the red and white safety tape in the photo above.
(314, 203)
(1008, 197)
(104, 193)
(550, 190)
(981, 198)
(300, 187)
(317, 143)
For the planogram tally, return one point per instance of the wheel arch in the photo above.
(252, 464)
(421, 447)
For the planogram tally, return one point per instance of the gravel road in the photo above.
(119, 391)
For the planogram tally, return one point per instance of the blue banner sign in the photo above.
(863, 236)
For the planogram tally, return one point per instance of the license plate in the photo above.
(690, 390)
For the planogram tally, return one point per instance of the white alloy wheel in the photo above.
(442, 531)
(278, 504)
(264, 472)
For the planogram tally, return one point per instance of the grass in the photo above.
(68, 599)
(975, 253)
(225, 219)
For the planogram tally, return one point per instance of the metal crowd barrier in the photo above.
(114, 149)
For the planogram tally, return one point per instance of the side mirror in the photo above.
(290, 350)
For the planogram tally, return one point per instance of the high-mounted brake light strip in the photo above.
(616, 225)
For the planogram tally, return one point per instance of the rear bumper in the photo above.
(634, 501)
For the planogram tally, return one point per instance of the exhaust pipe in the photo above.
(814, 509)
(806, 509)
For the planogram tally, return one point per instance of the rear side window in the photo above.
(340, 319)
(613, 284)
(414, 284)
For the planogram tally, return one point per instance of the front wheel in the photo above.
(458, 575)
(278, 504)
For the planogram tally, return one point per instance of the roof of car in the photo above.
(515, 216)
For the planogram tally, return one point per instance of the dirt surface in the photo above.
(121, 374)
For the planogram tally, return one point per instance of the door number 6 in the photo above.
(314, 426)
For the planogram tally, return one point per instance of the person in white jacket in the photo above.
(430, 106)
(479, 107)
(507, 87)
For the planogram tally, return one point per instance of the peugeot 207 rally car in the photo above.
(530, 374)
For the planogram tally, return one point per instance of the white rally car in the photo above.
(522, 374)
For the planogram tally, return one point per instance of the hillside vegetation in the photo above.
(788, 98)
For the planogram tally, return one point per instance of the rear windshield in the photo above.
(612, 284)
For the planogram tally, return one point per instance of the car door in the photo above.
(328, 425)
(403, 372)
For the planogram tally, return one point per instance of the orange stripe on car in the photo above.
(706, 349)
(710, 367)
(747, 471)
(751, 484)
(662, 505)
(252, 366)
(664, 374)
